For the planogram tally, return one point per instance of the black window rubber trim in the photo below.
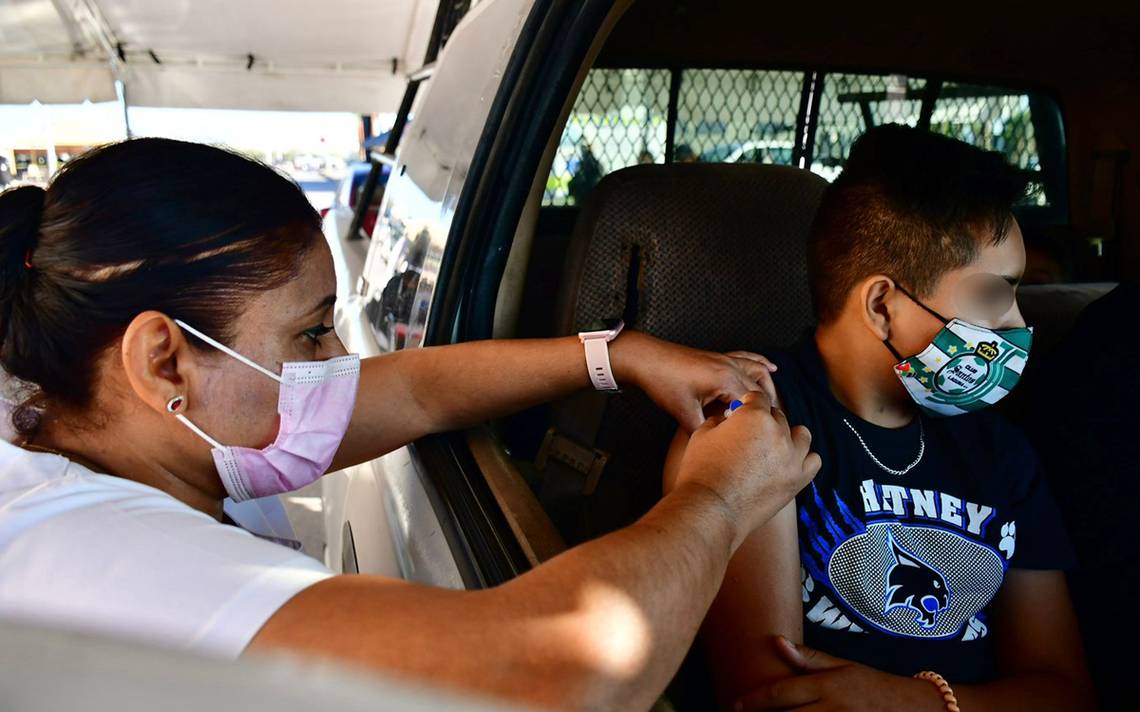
(477, 533)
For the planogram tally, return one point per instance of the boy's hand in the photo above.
(684, 380)
(826, 683)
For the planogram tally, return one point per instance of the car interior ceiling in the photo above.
(593, 461)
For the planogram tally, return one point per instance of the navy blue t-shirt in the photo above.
(900, 572)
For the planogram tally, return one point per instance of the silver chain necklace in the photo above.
(884, 468)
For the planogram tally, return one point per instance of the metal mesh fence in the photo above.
(728, 115)
(737, 116)
(618, 120)
(990, 119)
(849, 103)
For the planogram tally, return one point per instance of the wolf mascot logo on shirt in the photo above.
(913, 584)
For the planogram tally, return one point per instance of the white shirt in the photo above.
(104, 554)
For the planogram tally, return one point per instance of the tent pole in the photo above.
(52, 160)
(121, 90)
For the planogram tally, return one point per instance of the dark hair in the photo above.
(186, 229)
(909, 204)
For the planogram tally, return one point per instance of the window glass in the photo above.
(621, 117)
(991, 118)
(848, 103)
(400, 273)
(618, 120)
(737, 116)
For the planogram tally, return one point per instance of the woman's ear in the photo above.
(156, 359)
(875, 294)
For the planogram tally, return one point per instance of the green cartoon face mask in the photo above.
(966, 368)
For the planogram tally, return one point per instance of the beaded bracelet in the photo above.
(943, 688)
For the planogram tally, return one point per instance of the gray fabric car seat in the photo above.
(707, 255)
(52, 669)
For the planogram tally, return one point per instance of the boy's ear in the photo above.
(874, 298)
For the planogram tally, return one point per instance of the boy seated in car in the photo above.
(928, 542)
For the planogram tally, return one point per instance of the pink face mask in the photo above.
(316, 402)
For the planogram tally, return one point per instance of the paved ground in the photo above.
(306, 513)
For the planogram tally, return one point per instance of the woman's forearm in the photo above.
(602, 626)
(640, 593)
(466, 384)
(408, 394)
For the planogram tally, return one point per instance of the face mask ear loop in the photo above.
(894, 352)
(199, 432)
(172, 407)
(887, 341)
(925, 308)
(228, 351)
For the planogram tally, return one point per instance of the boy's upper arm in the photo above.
(759, 599)
(1038, 630)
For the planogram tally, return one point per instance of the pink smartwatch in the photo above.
(596, 343)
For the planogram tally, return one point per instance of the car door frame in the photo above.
(551, 50)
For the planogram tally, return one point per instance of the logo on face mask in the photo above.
(967, 371)
(988, 351)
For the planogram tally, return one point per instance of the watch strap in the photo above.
(598, 363)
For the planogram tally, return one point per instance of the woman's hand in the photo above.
(826, 684)
(684, 380)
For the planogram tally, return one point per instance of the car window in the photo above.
(988, 117)
(737, 116)
(618, 120)
(991, 118)
(849, 103)
(803, 117)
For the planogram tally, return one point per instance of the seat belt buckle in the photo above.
(587, 461)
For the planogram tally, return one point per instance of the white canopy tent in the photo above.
(290, 55)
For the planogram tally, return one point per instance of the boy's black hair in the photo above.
(909, 204)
